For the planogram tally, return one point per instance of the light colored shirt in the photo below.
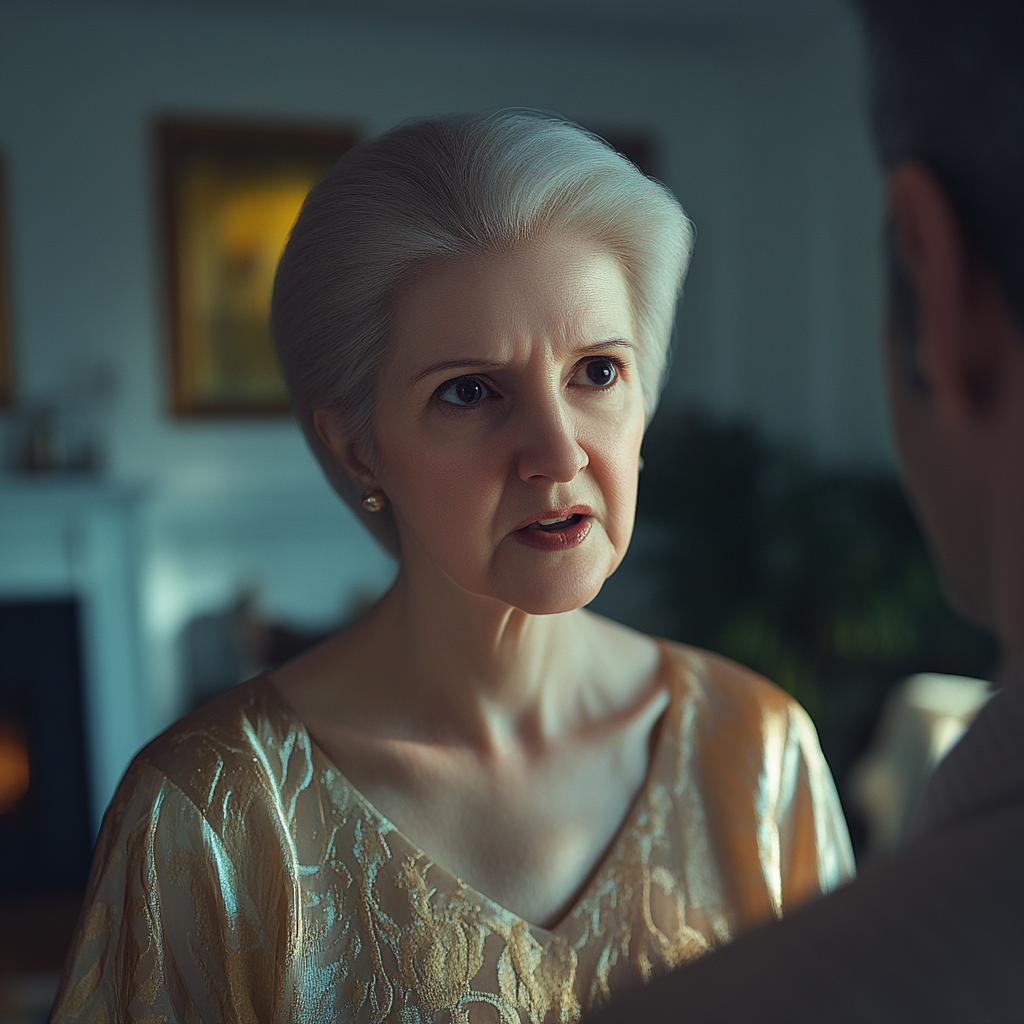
(240, 877)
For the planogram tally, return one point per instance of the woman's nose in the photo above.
(547, 444)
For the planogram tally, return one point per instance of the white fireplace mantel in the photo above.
(69, 536)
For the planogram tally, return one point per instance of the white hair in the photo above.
(445, 187)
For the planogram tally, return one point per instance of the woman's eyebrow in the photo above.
(493, 364)
(456, 364)
(607, 343)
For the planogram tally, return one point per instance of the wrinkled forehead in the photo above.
(560, 292)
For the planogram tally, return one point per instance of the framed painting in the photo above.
(231, 193)
(6, 320)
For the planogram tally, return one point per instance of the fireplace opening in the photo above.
(45, 831)
(15, 775)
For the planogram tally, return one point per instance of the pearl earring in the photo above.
(374, 501)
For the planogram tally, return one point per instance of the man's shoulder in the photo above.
(984, 770)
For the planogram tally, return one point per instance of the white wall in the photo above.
(761, 135)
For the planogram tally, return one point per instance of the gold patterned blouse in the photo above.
(240, 877)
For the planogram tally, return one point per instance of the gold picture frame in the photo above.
(231, 193)
(6, 317)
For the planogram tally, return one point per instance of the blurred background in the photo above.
(156, 548)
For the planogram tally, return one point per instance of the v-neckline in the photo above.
(664, 728)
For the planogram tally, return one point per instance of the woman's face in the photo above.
(509, 422)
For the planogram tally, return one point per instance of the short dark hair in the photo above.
(947, 89)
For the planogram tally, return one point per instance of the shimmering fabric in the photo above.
(239, 877)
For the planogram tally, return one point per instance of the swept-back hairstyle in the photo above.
(447, 187)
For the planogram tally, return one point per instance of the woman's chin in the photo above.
(535, 582)
(551, 593)
(554, 582)
(551, 604)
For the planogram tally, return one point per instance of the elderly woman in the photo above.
(480, 802)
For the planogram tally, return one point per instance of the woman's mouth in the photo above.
(556, 532)
(558, 523)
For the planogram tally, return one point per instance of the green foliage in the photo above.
(819, 580)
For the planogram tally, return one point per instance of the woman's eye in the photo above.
(464, 392)
(597, 373)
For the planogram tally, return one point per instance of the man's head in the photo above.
(947, 90)
(948, 103)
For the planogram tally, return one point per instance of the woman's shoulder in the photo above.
(245, 736)
(722, 684)
(750, 752)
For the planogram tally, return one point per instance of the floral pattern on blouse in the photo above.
(239, 876)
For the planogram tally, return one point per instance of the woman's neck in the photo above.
(472, 665)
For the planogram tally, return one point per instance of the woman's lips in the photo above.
(556, 530)
(555, 513)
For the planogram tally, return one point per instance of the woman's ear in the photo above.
(343, 447)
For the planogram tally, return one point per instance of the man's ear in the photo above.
(336, 439)
(958, 351)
